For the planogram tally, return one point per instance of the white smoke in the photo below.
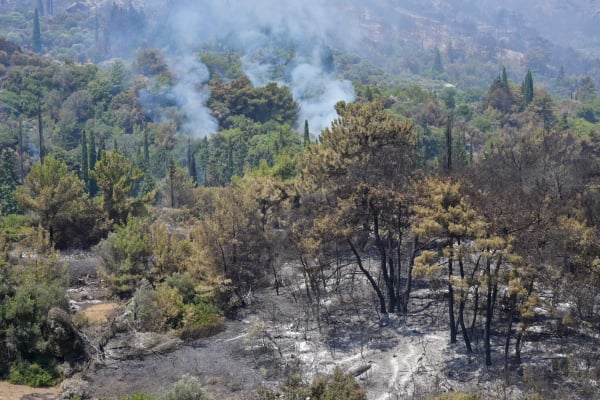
(317, 93)
(191, 94)
(262, 30)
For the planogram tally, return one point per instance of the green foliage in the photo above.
(126, 254)
(456, 396)
(56, 196)
(24, 309)
(34, 375)
(116, 178)
(334, 387)
(528, 88)
(139, 396)
(187, 388)
(36, 44)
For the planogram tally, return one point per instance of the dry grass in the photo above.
(98, 314)
(17, 392)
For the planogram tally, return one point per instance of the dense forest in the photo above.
(198, 175)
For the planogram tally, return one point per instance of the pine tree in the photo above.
(306, 133)
(528, 88)
(36, 44)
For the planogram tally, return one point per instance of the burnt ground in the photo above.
(410, 358)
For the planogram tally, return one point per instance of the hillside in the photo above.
(266, 200)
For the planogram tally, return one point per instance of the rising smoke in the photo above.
(281, 41)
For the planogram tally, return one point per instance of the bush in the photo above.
(337, 386)
(456, 396)
(34, 375)
(187, 388)
(200, 320)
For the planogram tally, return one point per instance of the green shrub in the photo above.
(334, 387)
(138, 396)
(200, 320)
(187, 388)
(34, 375)
(456, 396)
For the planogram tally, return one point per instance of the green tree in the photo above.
(528, 89)
(36, 44)
(363, 166)
(306, 139)
(9, 180)
(84, 168)
(504, 78)
(437, 67)
(54, 194)
(91, 161)
(116, 178)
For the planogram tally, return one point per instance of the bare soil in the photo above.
(17, 392)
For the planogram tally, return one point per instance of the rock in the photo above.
(64, 339)
(136, 344)
(359, 369)
(73, 388)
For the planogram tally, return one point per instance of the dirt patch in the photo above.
(98, 313)
(17, 392)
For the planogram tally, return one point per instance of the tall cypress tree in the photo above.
(504, 78)
(40, 7)
(93, 187)
(101, 149)
(306, 133)
(438, 67)
(9, 180)
(147, 151)
(36, 44)
(85, 173)
(528, 88)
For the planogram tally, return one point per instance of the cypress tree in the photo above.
(40, 7)
(85, 175)
(93, 187)
(504, 78)
(101, 149)
(9, 180)
(306, 133)
(438, 67)
(528, 88)
(172, 170)
(146, 150)
(36, 44)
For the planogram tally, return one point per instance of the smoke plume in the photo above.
(281, 41)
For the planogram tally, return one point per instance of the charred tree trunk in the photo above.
(451, 300)
(461, 307)
(380, 296)
(384, 260)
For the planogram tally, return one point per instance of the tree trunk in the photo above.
(21, 167)
(461, 307)
(409, 270)
(451, 301)
(41, 133)
(508, 336)
(380, 295)
(489, 310)
(384, 260)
